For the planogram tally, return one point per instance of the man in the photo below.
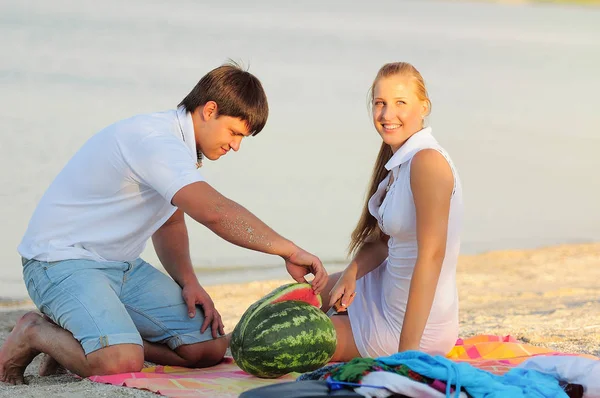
(105, 309)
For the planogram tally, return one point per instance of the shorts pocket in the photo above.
(32, 280)
(58, 271)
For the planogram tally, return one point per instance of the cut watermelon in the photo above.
(287, 336)
(295, 291)
(301, 292)
(291, 291)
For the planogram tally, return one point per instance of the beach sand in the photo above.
(548, 297)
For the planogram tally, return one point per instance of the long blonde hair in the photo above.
(367, 229)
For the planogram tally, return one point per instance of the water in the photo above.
(514, 91)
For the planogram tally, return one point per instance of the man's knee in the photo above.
(205, 354)
(121, 358)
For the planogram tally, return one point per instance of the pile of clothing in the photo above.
(416, 374)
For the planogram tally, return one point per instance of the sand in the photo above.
(548, 297)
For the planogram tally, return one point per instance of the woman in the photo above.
(402, 279)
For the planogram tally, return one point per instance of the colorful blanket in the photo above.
(224, 380)
(496, 354)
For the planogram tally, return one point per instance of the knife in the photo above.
(336, 308)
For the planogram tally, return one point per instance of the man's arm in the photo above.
(237, 225)
(230, 220)
(172, 246)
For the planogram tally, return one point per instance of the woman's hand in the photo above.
(344, 289)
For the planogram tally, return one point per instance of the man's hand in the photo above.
(300, 263)
(194, 294)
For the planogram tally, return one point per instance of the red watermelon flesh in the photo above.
(299, 292)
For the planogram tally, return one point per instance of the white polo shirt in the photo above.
(116, 191)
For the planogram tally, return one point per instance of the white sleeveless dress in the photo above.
(377, 313)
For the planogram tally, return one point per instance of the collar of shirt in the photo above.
(418, 140)
(186, 126)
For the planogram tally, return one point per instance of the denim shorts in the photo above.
(109, 303)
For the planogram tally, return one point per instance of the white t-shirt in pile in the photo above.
(116, 191)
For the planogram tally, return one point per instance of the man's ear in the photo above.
(209, 110)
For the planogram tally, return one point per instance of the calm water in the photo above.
(514, 91)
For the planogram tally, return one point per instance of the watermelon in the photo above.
(299, 327)
(291, 291)
(282, 337)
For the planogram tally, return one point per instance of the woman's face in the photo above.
(397, 111)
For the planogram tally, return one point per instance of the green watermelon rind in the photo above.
(267, 355)
(238, 332)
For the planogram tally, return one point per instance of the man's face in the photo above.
(216, 135)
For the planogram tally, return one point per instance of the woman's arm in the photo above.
(370, 255)
(432, 183)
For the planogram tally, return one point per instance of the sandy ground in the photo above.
(548, 297)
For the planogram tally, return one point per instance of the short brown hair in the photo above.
(238, 93)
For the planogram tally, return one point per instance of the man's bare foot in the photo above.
(50, 367)
(16, 352)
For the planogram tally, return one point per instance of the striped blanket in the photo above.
(496, 354)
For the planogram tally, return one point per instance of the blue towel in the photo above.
(478, 383)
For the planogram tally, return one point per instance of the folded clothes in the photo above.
(517, 382)
(569, 369)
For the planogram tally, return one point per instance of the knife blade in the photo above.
(336, 308)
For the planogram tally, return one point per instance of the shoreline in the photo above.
(277, 273)
(548, 297)
(577, 3)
